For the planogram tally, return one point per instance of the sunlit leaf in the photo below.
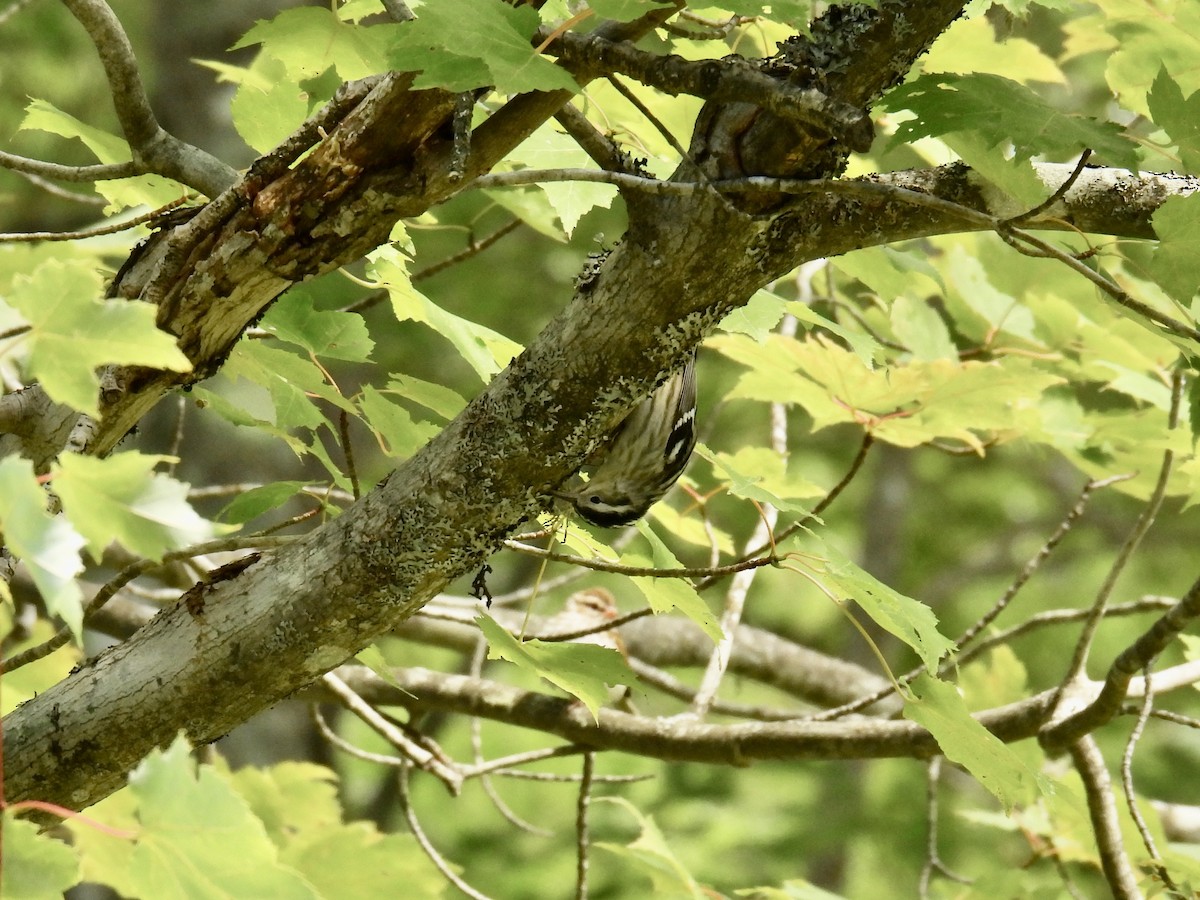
(74, 331)
(582, 670)
(938, 707)
(121, 498)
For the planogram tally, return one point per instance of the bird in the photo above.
(643, 456)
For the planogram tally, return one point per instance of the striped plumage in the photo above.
(644, 456)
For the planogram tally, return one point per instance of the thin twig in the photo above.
(418, 832)
(600, 565)
(1058, 194)
(28, 237)
(1144, 521)
(933, 860)
(1036, 560)
(1127, 782)
(422, 757)
(108, 172)
(581, 825)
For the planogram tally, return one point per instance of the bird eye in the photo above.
(595, 498)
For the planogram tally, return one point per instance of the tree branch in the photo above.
(724, 80)
(154, 150)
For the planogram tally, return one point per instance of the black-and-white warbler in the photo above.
(644, 456)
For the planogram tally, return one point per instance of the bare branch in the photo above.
(1116, 685)
(69, 173)
(1127, 783)
(154, 150)
(680, 739)
(1097, 786)
(113, 228)
(1141, 527)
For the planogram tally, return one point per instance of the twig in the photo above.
(26, 237)
(1097, 787)
(1036, 561)
(418, 832)
(382, 759)
(1144, 521)
(1116, 683)
(108, 172)
(581, 825)
(933, 861)
(1058, 194)
(600, 565)
(1127, 783)
(348, 452)
(1059, 617)
(603, 150)
(420, 756)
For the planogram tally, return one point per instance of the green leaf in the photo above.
(770, 482)
(650, 855)
(938, 707)
(73, 331)
(310, 40)
(253, 503)
(1000, 312)
(624, 10)
(1143, 45)
(36, 866)
(372, 658)
(121, 498)
(910, 620)
(485, 350)
(791, 890)
(439, 400)
(971, 45)
(920, 328)
(532, 206)
(906, 405)
(1176, 260)
(582, 670)
(381, 863)
(1178, 116)
(757, 318)
(48, 545)
(548, 148)
(291, 799)
(399, 436)
(1002, 111)
(152, 191)
(462, 44)
(196, 838)
(666, 594)
(267, 105)
(331, 334)
(292, 381)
